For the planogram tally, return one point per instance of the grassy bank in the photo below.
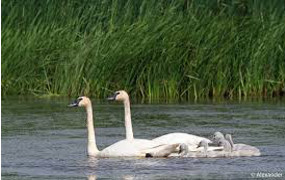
(154, 49)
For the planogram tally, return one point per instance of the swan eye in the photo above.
(79, 99)
(117, 93)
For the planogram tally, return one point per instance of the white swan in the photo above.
(172, 138)
(242, 149)
(123, 148)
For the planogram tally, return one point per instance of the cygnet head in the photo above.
(183, 149)
(81, 101)
(119, 96)
(217, 136)
(203, 143)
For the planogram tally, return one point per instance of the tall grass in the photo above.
(174, 49)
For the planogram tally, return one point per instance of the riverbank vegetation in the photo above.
(174, 49)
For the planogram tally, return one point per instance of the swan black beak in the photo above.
(113, 98)
(74, 103)
(199, 145)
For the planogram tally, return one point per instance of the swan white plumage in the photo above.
(123, 148)
(172, 138)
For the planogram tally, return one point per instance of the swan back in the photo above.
(180, 138)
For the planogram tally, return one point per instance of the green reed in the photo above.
(153, 49)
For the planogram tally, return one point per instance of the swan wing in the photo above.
(144, 144)
(154, 149)
(178, 138)
(162, 150)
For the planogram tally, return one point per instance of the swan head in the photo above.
(81, 101)
(183, 149)
(119, 96)
(203, 144)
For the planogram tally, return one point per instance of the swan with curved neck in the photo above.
(85, 102)
(123, 148)
(172, 138)
(124, 97)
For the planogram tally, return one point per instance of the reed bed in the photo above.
(174, 49)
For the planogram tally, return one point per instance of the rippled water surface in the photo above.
(44, 139)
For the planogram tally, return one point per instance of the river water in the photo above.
(44, 139)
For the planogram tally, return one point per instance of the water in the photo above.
(44, 139)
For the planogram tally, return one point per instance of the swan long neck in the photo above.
(231, 142)
(128, 120)
(91, 144)
(229, 138)
(206, 148)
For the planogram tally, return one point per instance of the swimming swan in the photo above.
(123, 148)
(172, 138)
(242, 149)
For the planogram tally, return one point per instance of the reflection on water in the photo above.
(43, 139)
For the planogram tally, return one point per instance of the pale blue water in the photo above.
(43, 139)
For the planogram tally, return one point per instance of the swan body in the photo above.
(242, 149)
(137, 148)
(123, 148)
(173, 138)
